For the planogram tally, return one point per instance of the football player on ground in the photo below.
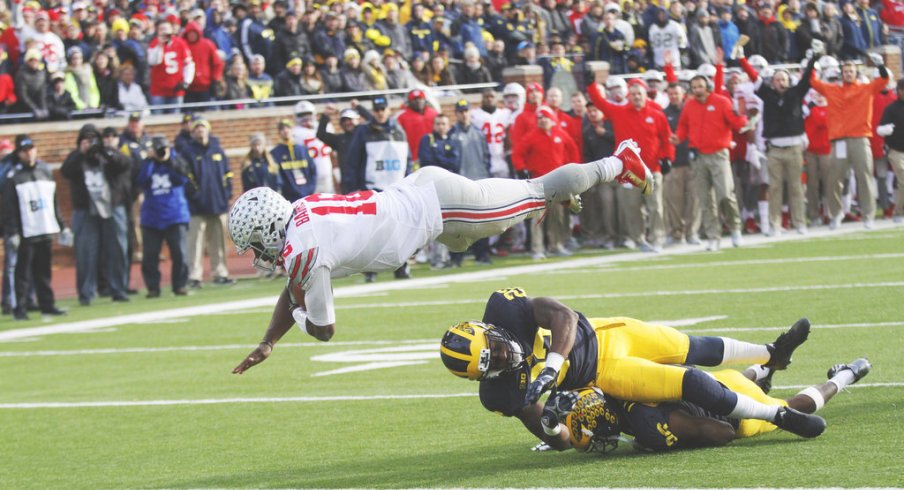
(328, 235)
(516, 360)
(595, 420)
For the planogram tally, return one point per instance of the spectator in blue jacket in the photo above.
(855, 44)
(438, 149)
(296, 167)
(468, 28)
(872, 28)
(164, 216)
(259, 169)
(420, 31)
(208, 193)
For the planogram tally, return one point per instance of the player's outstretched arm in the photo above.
(280, 323)
(562, 322)
(530, 417)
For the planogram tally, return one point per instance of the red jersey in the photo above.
(540, 152)
(173, 66)
(647, 126)
(880, 102)
(416, 126)
(707, 125)
(817, 127)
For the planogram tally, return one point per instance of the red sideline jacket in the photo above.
(416, 126)
(541, 153)
(707, 126)
(817, 127)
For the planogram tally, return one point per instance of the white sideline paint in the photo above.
(730, 263)
(308, 399)
(199, 348)
(360, 289)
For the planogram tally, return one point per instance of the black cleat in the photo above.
(785, 344)
(859, 367)
(802, 424)
(765, 384)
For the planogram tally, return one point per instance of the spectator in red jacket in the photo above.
(542, 150)
(643, 121)
(7, 91)
(172, 68)
(893, 12)
(818, 157)
(208, 64)
(9, 43)
(706, 123)
(527, 120)
(416, 119)
(877, 144)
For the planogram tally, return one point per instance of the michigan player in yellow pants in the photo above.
(596, 421)
(516, 360)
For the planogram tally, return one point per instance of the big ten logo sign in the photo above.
(37, 204)
(389, 165)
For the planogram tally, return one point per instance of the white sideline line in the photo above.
(731, 263)
(350, 291)
(306, 399)
(202, 348)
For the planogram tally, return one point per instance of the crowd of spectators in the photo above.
(127, 55)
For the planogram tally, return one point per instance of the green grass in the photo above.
(451, 441)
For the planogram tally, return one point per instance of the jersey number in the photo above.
(317, 152)
(170, 63)
(492, 137)
(343, 204)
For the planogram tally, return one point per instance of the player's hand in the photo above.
(561, 403)
(330, 109)
(876, 58)
(545, 381)
(256, 357)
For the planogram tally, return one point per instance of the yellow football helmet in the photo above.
(476, 351)
(592, 422)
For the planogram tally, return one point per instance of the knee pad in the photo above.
(702, 389)
(705, 351)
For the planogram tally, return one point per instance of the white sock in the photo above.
(814, 394)
(846, 203)
(843, 379)
(738, 352)
(763, 207)
(610, 167)
(759, 371)
(784, 208)
(748, 408)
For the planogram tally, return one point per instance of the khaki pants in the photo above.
(785, 165)
(714, 185)
(819, 175)
(595, 210)
(896, 162)
(207, 228)
(682, 209)
(860, 157)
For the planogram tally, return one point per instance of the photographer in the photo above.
(164, 216)
(99, 183)
(30, 228)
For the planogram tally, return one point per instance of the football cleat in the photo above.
(859, 367)
(765, 384)
(802, 424)
(785, 344)
(634, 171)
(575, 205)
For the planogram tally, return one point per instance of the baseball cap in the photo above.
(379, 103)
(42, 14)
(32, 54)
(348, 114)
(186, 118)
(137, 115)
(285, 123)
(462, 106)
(654, 75)
(534, 87)
(24, 142)
(199, 121)
(416, 94)
(638, 81)
(109, 131)
(6, 145)
(525, 45)
(546, 111)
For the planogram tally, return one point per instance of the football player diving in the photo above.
(595, 420)
(325, 236)
(516, 361)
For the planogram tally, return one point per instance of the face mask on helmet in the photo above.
(593, 424)
(478, 351)
(258, 221)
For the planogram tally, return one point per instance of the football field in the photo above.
(142, 395)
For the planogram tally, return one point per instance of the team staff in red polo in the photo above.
(643, 121)
(542, 150)
(706, 123)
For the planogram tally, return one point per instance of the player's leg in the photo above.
(813, 398)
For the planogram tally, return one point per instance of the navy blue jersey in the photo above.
(510, 310)
(649, 423)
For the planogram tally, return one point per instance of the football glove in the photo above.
(561, 403)
(545, 381)
(876, 58)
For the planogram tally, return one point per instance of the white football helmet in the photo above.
(758, 63)
(305, 107)
(516, 90)
(258, 221)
